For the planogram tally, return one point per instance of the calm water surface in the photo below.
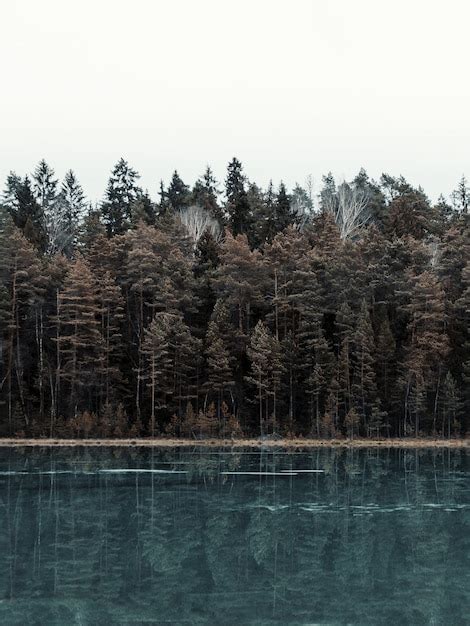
(140, 536)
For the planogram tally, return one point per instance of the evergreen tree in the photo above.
(411, 214)
(27, 214)
(328, 196)
(265, 357)
(451, 407)
(45, 185)
(301, 323)
(237, 206)
(461, 196)
(238, 278)
(284, 215)
(345, 324)
(10, 195)
(121, 194)
(461, 312)
(66, 212)
(426, 352)
(143, 209)
(80, 340)
(156, 349)
(219, 361)
(111, 314)
(262, 210)
(301, 204)
(21, 282)
(169, 351)
(364, 387)
(178, 194)
(205, 193)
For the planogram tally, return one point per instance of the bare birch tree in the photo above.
(349, 208)
(197, 220)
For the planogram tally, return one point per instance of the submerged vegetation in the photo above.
(252, 312)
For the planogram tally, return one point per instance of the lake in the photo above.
(211, 536)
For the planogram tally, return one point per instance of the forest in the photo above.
(229, 310)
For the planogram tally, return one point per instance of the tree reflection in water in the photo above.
(337, 536)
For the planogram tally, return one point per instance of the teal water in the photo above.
(141, 536)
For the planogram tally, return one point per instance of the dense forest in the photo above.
(233, 311)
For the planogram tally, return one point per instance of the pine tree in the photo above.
(207, 259)
(169, 351)
(364, 387)
(178, 194)
(328, 197)
(22, 286)
(461, 196)
(65, 213)
(156, 349)
(451, 406)
(112, 314)
(237, 205)
(352, 422)
(461, 312)
(27, 214)
(385, 361)
(239, 278)
(411, 214)
(80, 340)
(10, 195)
(205, 193)
(156, 276)
(301, 204)
(262, 212)
(121, 194)
(345, 324)
(45, 185)
(265, 357)
(284, 215)
(143, 209)
(219, 361)
(90, 230)
(58, 269)
(428, 347)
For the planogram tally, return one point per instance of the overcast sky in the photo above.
(289, 87)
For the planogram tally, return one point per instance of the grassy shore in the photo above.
(246, 443)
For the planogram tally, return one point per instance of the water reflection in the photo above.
(329, 536)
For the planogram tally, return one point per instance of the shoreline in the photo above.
(240, 443)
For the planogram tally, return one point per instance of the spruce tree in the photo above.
(178, 194)
(121, 194)
(45, 185)
(284, 215)
(237, 205)
(27, 213)
(66, 212)
(205, 193)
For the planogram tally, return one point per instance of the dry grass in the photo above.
(246, 443)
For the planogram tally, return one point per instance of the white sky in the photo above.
(289, 87)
